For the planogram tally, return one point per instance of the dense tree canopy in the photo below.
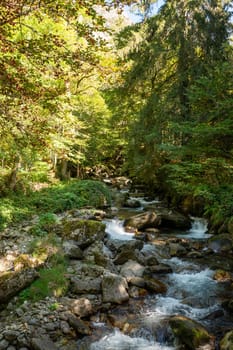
(82, 88)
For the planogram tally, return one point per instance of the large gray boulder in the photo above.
(160, 217)
(114, 289)
(85, 285)
(143, 220)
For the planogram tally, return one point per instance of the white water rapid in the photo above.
(191, 292)
(198, 229)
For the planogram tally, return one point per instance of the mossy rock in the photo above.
(155, 285)
(227, 341)
(84, 232)
(190, 333)
(13, 282)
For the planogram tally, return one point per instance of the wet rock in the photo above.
(227, 341)
(13, 282)
(43, 343)
(158, 269)
(125, 255)
(220, 243)
(228, 305)
(148, 256)
(114, 289)
(155, 285)
(215, 314)
(174, 219)
(132, 203)
(78, 325)
(143, 220)
(190, 333)
(177, 249)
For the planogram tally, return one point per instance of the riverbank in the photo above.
(88, 276)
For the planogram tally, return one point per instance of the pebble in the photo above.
(3, 344)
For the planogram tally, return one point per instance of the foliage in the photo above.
(180, 73)
(54, 199)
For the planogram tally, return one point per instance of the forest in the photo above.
(116, 174)
(87, 92)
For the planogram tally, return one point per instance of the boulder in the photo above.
(154, 285)
(190, 333)
(116, 246)
(220, 243)
(85, 285)
(132, 269)
(174, 219)
(114, 289)
(43, 343)
(227, 341)
(130, 250)
(72, 250)
(143, 220)
(84, 232)
(125, 255)
(13, 282)
(176, 249)
(160, 217)
(78, 325)
(81, 307)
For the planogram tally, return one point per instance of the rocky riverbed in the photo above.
(115, 271)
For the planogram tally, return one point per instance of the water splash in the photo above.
(119, 341)
(116, 230)
(198, 229)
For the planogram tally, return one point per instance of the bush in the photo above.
(54, 199)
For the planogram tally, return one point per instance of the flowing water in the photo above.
(192, 292)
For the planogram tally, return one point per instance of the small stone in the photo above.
(4, 344)
(11, 348)
(10, 335)
(19, 312)
(50, 326)
(65, 328)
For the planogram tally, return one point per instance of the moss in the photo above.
(87, 226)
(189, 332)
